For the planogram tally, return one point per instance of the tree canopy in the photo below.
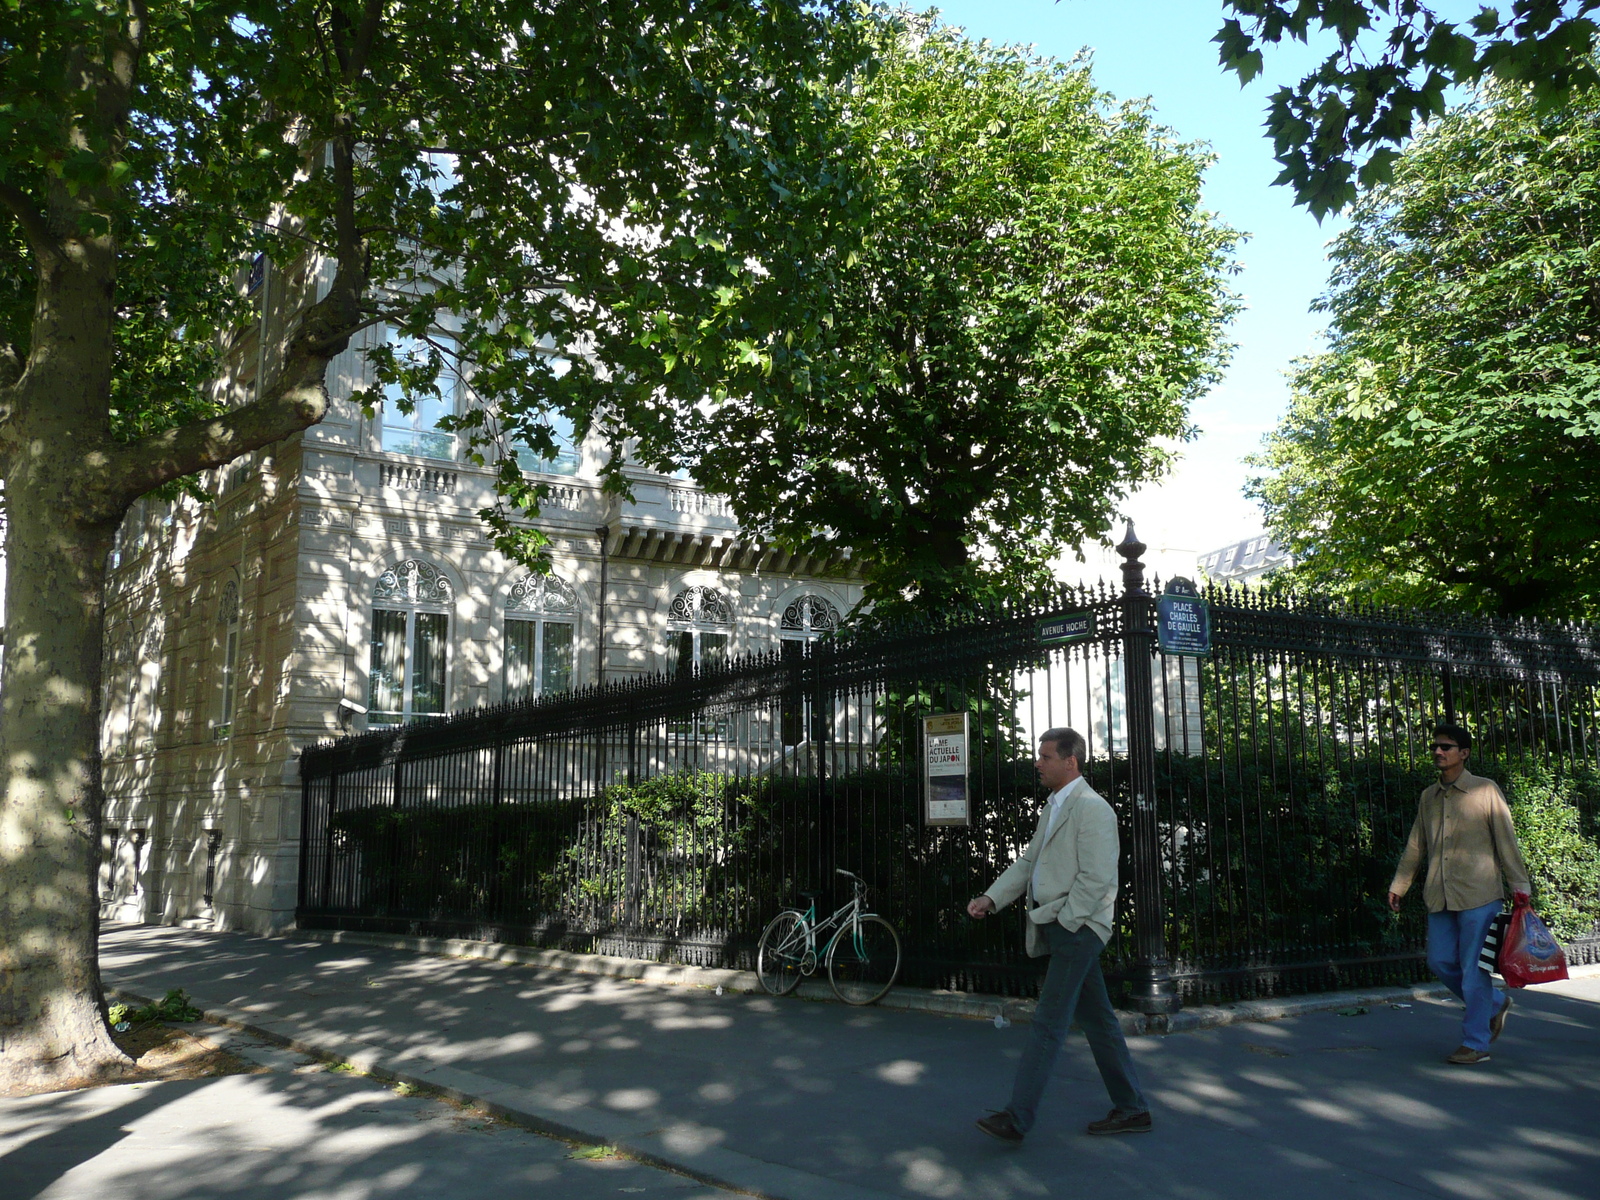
(1444, 449)
(1038, 296)
(1395, 60)
(608, 174)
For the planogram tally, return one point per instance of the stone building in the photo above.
(342, 581)
(1248, 561)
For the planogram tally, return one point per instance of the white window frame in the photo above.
(799, 624)
(415, 588)
(566, 463)
(696, 611)
(540, 601)
(452, 394)
(228, 690)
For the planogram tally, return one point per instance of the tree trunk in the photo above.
(68, 484)
(52, 1022)
(61, 518)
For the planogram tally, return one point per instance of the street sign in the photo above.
(1066, 627)
(1183, 619)
(945, 760)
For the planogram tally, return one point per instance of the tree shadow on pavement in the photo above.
(1321, 1105)
(275, 1137)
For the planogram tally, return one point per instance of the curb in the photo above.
(681, 1147)
(972, 1005)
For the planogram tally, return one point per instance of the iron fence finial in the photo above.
(1132, 551)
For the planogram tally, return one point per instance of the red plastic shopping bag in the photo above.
(1528, 952)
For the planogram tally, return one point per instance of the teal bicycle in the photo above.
(862, 954)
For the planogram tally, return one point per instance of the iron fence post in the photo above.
(1150, 982)
(1449, 687)
(304, 899)
(631, 873)
(327, 843)
(633, 746)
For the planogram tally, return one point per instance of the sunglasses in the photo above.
(1445, 746)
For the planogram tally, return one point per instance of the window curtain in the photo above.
(386, 688)
(520, 658)
(557, 674)
(427, 684)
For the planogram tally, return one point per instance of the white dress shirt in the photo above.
(1058, 800)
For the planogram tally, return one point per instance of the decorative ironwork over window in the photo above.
(228, 606)
(810, 614)
(414, 582)
(700, 606)
(546, 594)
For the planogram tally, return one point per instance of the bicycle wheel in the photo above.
(864, 962)
(782, 950)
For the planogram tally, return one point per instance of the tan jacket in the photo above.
(1464, 831)
(1077, 877)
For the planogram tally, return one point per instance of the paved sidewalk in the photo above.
(800, 1100)
(299, 1132)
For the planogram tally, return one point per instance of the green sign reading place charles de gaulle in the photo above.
(1183, 619)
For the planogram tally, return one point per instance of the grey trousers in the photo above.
(1074, 988)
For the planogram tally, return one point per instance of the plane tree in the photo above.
(1443, 451)
(546, 174)
(1038, 296)
(1392, 65)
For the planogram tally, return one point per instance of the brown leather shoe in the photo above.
(1498, 1021)
(1465, 1056)
(1115, 1122)
(1001, 1125)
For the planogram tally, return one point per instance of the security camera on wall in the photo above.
(349, 709)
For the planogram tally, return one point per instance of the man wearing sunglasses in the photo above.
(1463, 830)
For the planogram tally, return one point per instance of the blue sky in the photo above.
(1162, 49)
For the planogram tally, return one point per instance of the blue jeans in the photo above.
(1454, 941)
(1074, 987)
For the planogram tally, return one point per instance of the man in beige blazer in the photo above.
(1463, 832)
(1069, 876)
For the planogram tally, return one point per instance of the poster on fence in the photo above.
(944, 756)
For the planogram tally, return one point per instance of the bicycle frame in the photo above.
(846, 917)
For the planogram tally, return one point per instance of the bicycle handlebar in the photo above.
(842, 871)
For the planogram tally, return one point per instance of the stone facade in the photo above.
(236, 628)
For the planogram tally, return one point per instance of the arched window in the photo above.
(699, 628)
(805, 619)
(411, 606)
(228, 637)
(541, 618)
(808, 617)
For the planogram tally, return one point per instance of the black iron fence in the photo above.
(1264, 792)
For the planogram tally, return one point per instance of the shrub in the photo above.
(1563, 861)
(174, 1006)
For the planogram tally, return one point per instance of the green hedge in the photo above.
(1559, 843)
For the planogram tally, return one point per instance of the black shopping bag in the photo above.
(1489, 956)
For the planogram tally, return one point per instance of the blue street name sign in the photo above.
(1068, 627)
(1183, 619)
